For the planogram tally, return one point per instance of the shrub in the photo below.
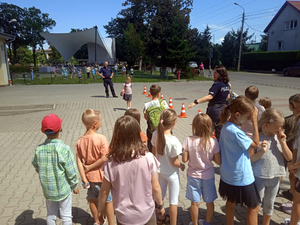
(270, 60)
(20, 68)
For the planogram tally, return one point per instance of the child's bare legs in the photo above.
(110, 213)
(173, 214)
(266, 219)
(94, 209)
(210, 211)
(129, 104)
(229, 210)
(195, 212)
(296, 209)
(252, 215)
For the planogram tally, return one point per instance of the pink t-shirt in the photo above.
(131, 188)
(200, 160)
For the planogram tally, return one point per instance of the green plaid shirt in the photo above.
(56, 166)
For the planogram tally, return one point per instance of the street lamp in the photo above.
(241, 38)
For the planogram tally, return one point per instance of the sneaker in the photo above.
(115, 96)
(287, 207)
(201, 222)
(287, 194)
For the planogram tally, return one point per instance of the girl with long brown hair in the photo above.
(200, 150)
(237, 181)
(166, 148)
(131, 174)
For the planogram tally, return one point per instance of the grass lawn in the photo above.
(141, 77)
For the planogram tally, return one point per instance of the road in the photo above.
(276, 80)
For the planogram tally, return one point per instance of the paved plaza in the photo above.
(23, 107)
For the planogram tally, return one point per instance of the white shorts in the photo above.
(173, 182)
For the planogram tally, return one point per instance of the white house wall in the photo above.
(277, 32)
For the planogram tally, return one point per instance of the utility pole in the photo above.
(95, 43)
(241, 38)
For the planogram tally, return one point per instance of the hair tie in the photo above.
(228, 106)
(161, 121)
(271, 120)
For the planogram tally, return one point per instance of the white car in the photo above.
(193, 64)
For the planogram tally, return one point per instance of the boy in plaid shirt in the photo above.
(54, 162)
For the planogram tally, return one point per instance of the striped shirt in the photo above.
(55, 163)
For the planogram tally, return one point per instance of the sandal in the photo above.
(166, 220)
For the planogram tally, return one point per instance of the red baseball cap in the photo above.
(51, 122)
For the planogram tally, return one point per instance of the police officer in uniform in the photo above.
(216, 98)
(106, 73)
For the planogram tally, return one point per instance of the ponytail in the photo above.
(167, 120)
(225, 115)
(161, 141)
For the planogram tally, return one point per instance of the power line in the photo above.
(267, 12)
(266, 16)
(229, 21)
(253, 28)
(276, 7)
(213, 6)
(224, 27)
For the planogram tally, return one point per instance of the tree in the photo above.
(133, 47)
(7, 13)
(179, 50)
(263, 43)
(35, 21)
(81, 53)
(230, 47)
(55, 57)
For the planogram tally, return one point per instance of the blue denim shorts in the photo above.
(196, 187)
(93, 191)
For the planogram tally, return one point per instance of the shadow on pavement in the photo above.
(97, 96)
(26, 218)
(121, 109)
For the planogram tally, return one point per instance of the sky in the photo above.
(220, 15)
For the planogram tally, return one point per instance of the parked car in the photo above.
(193, 64)
(293, 70)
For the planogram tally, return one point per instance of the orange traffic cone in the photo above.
(214, 136)
(145, 91)
(171, 104)
(183, 114)
(199, 111)
(162, 96)
(149, 95)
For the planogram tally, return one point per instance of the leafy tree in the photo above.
(133, 46)
(7, 13)
(230, 47)
(263, 43)
(35, 21)
(179, 50)
(82, 53)
(55, 57)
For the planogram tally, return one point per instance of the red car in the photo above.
(293, 70)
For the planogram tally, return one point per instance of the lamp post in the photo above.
(241, 38)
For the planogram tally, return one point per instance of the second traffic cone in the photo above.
(145, 91)
(183, 114)
(214, 136)
(162, 96)
(199, 112)
(171, 104)
(149, 95)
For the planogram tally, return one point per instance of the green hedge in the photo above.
(20, 68)
(270, 60)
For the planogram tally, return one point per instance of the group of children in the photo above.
(124, 177)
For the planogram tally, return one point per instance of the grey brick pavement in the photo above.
(21, 199)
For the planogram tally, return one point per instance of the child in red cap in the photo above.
(54, 162)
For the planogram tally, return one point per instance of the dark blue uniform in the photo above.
(106, 72)
(219, 91)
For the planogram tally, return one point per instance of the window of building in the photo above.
(279, 45)
(290, 25)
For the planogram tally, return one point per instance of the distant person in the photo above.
(131, 72)
(106, 73)
(54, 161)
(265, 102)
(80, 76)
(116, 69)
(127, 92)
(93, 71)
(88, 70)
(55, 72)
(201, 68)
(74, 71)
(31, 72)
(124, 70)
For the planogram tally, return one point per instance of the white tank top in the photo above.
(128, 88)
